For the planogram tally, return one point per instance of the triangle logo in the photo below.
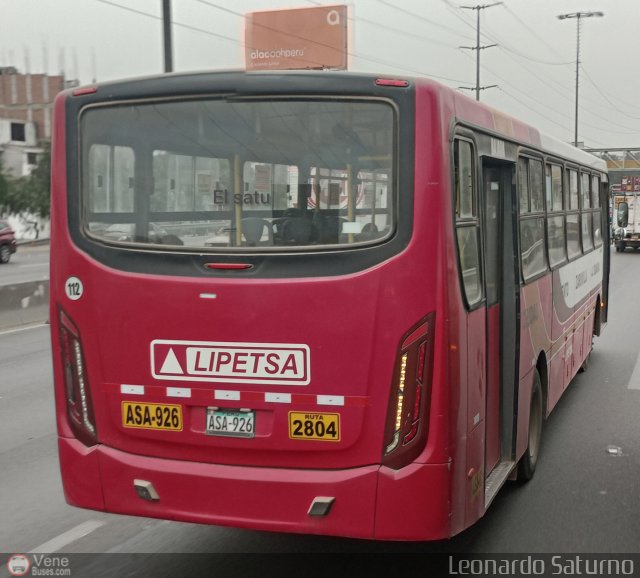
(171, 364)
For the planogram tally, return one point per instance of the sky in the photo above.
(533, 66)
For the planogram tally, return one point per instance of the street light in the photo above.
(578, 16)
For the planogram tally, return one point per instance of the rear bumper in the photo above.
(629, 242)
(370, 501)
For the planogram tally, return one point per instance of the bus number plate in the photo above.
(314, 426)
(152, 416)
(230, 423)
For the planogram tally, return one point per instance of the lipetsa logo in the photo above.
(261, 363)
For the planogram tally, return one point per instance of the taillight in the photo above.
(76, 386)
(408, 413)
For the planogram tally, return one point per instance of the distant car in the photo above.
(8, 243)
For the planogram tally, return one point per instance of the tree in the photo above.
(31, 193)
(4, 190)
(37, 186)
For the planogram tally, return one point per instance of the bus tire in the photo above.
(529, 460)
(585, 362)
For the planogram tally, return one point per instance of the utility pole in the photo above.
(478, 48)
(578, 16)
(166, 26)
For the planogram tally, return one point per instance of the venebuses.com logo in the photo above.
(38, 565)
(18, 565)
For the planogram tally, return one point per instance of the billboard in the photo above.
(299, 38)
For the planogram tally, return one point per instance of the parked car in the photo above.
(7, 242)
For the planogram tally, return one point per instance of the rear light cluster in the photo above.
(408, 413)
(78, 395)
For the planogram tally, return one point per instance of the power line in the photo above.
(439, 25)
(489, 34)
(546, 80)
(505, 46)
(352, 54)
(534, 33)
(519, 101)
(477, 47)
(180, 25)
(595, 85)
(561, 90)
(387, 28)
(526, 95)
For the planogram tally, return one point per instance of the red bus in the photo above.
(325, 303)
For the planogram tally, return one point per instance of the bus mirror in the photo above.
(623, 214)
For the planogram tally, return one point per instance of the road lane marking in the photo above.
(66, 538)
(634, 380)
(18, 329)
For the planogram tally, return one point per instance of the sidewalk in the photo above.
(32, 242)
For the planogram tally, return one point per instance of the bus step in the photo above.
(496, 479)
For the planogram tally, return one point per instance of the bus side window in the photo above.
(532, 237)
(467, 223)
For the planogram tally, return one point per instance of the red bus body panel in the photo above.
(273, 479)
(352, 325)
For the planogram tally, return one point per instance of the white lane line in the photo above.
(18, 329)
(634, 380)
(67, 537)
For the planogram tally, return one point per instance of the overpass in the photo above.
(623, 164)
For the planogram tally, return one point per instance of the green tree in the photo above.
(37, 186)
(31, 193)
(4, 190)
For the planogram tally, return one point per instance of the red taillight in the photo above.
(229, 266)
(392, 82)
(76, 385)
(408, 413)
(85, 90)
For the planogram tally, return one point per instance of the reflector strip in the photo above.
(247, 397)
(277, 397)
(132, 389)
(224, 394)
(178, 392)
(330, 400)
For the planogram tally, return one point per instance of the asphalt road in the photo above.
(584, 497)
(28, 263)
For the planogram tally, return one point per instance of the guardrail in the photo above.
(24, 303)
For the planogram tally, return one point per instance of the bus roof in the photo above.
(466, 109)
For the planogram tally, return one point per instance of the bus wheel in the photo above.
(527, 464)
(585, 363)
(595, 331)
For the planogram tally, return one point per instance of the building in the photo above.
(26, 104)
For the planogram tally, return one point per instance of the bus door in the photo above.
(501, 290)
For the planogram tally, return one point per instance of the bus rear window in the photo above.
(229, 174)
